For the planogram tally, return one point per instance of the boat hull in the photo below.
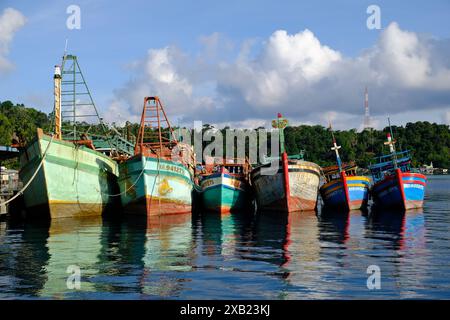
(223, 193)
(346, 193)
(72, 181)
(402, 190)
(293, 187)
(155, 188)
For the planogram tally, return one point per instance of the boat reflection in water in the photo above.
(311, 239)
(132, 258)
(402, 239)
(23, 259)
(398, 229)
(169, 254)
(83, 235)
(237, 256)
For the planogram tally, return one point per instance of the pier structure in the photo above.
(8, 183)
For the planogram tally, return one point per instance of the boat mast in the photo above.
(76, 103)
(336, 148)
(280, 123)
(57, 98)
(391, 142)
(150, 136)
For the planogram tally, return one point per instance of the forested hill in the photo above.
(429, 142)
(18, 119)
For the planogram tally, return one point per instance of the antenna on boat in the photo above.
(280, 123)
(336, 148)
(57, 101)
(65, 47)
(391, 142)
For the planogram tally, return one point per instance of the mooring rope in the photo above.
(32, 177)
(129, 188)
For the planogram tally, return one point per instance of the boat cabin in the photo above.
(332, 172)
(235, 167)
(384, 165)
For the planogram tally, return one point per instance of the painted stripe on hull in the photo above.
(154, 207)
(296, 205)
(223, 193)
(333, 193)
(56, 209)
(388, 193)
(73, 181)
(270, 194)
(166, 187)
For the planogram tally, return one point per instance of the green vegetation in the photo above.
(20, 120)
(429, 142)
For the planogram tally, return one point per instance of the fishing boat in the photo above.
(343, 189)
(158, 179)
(64, 174)
(224, 186)
(292, 186)
(395, 186)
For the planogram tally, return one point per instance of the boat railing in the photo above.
(332, 172)
(234, 166)
(265, 159)
(402, 154)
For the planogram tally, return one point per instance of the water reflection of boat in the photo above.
(23, 265)
(210, 226)
(120, 260)
(334, 226)
(169, 252)
(82, 237)
(271, 237)
(401, 240)
(395, 226)
(302, 243)
(305, 264)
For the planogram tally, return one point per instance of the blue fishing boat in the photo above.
(343, 189)
(225, 188)
(395, 186)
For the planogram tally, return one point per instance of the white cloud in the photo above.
(298, 76)
(11, 21)
(158, 74)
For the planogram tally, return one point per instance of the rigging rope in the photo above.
(129, 188)
(32, 177)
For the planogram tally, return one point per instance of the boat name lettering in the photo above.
(169, 167)
(411, 185)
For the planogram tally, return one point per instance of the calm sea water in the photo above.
(239, 256)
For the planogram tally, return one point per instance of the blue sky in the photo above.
(115, 38)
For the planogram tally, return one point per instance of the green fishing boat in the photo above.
(225, 187)
(158, 179)
(63, 173)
